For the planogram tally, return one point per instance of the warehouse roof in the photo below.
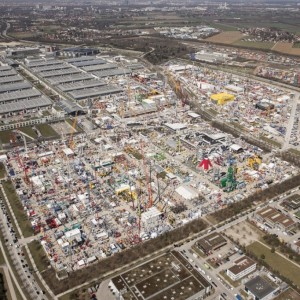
(55, 73)
(100, 67)
(81, 58)
(69, 106)
(80, 85)
(10, 79)
(14, 86)
(241, 264)
(16, 95)
(112, 72)
(95, 92)
(25, 104)
(8, 73)
(51, 67)
(212, 241)
(259, 287)
(186, 192)
(88, 62)
(40, 63)
(5, 68)
(69, 78)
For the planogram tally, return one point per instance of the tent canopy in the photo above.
(222, 98)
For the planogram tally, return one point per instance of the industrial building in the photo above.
(165, 277)
(77, 52)
(18, 96)
(241, 268)
(273, 218)
(211, 243)
(259, 289)
(292, 202)
(74, 77)
(21, 52)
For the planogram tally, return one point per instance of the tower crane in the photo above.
(148, 183)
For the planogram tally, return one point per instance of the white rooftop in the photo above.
(176, 126)
(186, 192)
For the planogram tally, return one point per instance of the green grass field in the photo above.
(296, 45)
(5, 136)
(39, 255)
(2, 170)
(46, 130)
(29, 131)
(2, 261)
(270, 141)
(21, 35)
(257, 45)
(276, 262)
(18, 209)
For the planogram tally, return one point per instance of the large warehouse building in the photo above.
(18, 96)
(77, 78)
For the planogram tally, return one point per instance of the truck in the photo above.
(238, 297)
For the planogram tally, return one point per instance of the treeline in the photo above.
(261, 196)
(273, 241)
(118, 260)
(236, 133)
(162, 49)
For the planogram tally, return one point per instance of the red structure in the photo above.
(205, 164)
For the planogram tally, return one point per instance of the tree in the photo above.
(262, 256)
(272, 250)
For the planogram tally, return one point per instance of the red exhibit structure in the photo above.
(205, 164)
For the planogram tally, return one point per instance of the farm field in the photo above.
(286, 48)
(226, 37)
(258, 45)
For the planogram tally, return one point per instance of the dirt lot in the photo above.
(244, 232)
(286, 48)
(227, 37)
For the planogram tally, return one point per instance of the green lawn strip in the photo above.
(39, 255)
(2, 170)
(34, 273)
(71, 123)
(276, 262)
(296, 45)
(252, 44)
(211, 219)
(5, 136)
(270, 141)
(46, 130)
(2, 261)
(294, 151)
(29, 131)
(17, 208)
